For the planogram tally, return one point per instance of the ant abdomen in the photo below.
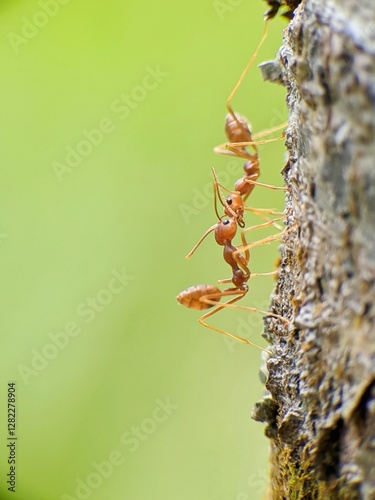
(192, 296)
(237, 129)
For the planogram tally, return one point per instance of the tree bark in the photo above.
(320, 406)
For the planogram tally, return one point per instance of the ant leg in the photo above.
(263, 210)
(244, 73)
(242, 251)
(270, 131)
(212, 228)
(254, 309)
(222, 150)
(238, 151)
(230, 303)
(263, 217)
(264, 241)
(259, 213)
(269, 186)
(254, 143)
(259, 226)
(271, 273)
(238, 148)
(230, 149)
(245, 247)
(274, 223)
(253, 275)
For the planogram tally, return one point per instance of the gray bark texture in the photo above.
(320, 406)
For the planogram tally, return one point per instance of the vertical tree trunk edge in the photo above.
(320, 405)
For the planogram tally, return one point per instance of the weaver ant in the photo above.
(202, 297)
(238, 133)
(237, 128)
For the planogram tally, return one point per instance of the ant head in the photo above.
(237, 129)
(239, 279)
(233, 207)
(225, 231)
(233, 204)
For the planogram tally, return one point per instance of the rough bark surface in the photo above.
(320, 409)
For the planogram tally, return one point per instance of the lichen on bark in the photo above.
(320, 406)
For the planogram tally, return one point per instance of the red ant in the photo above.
(237, 128)
(238, 133)
(205, 296)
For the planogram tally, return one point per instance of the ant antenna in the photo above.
(212, 228)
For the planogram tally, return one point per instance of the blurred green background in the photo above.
(110, 112)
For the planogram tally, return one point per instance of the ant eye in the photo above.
(226, 222)
(229, 201)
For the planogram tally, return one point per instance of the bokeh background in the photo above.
(110, 112)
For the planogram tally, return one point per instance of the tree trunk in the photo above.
(320, 409)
